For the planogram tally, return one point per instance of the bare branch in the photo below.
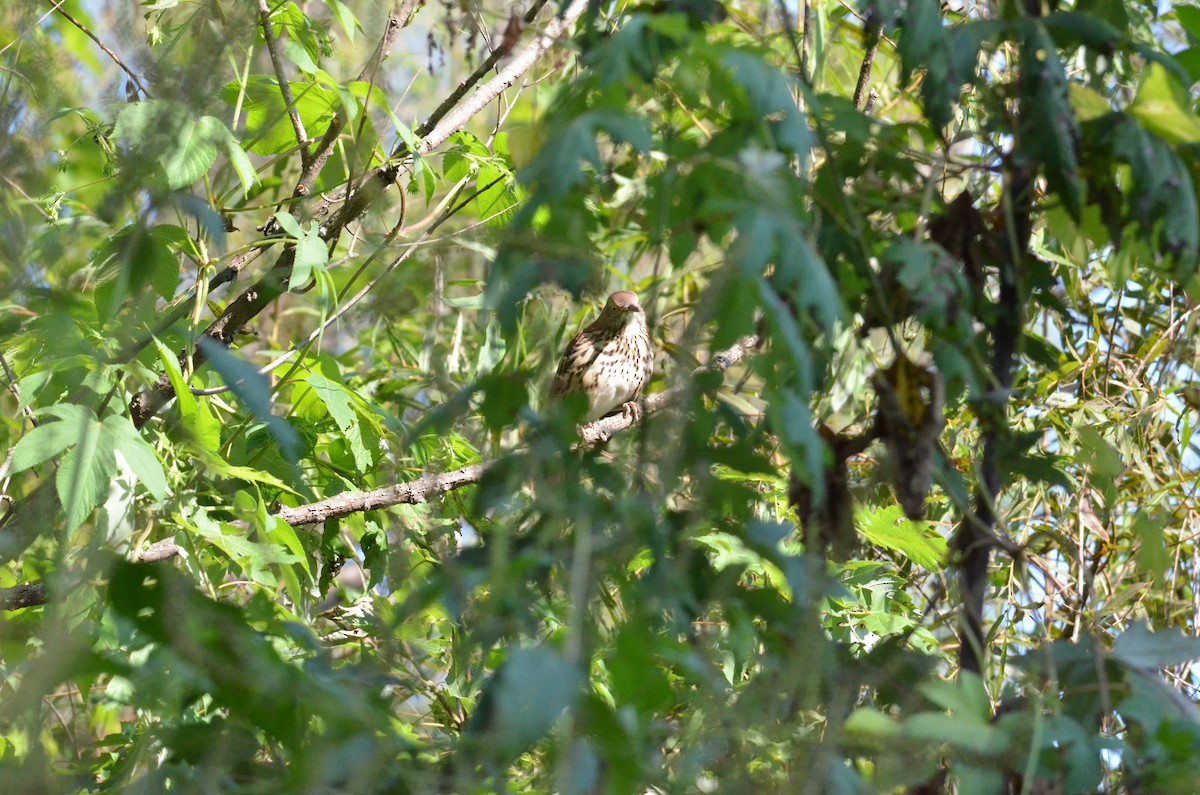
(456, 120)
(33, 594)
(425, 488)
(871, 34)
(285, 89)
(462, 88)
(19, 597)
(417, 491)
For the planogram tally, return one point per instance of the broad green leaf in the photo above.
(888, 528)
(558, 167)
(345, 17)
(312, 252)
(1138, 647)
(870, 725)
(166, 133)
(85, 472)
(968, 734)
(533, 687)
(268, 128)
(49, 439)
(340, 404)
(1087, 103)
(966, 697)
(1096, 452)
(182, 145)
(1163, 107)
(1048, 131)
(138, 454)
(297, 54)
(770, 93)
(283, 533)
(233, 542)
(1152, 555)
(134, 258)
(196, 414)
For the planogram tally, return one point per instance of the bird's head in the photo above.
(622, 304)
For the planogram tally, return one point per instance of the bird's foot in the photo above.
(632, 410)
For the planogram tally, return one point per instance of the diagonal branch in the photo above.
(422, 489)
(285, 88)
(58, 6)
(458, 118)
(397, 20)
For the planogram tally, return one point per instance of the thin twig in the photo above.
(346, 306)
(58, 7)
(873, 27)
(285, 89)
(397, 20)
(806, 40)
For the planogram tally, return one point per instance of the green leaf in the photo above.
(1152, 555)
(267, 122)
(138, 454)
(965, 733)
(338, 401)
(85, 472)
(134, 258)
(558, 167)
(196, 415)
(1048, 131)
(1095, 452)
(1138, 647)
(966, 697)
(233, 542)
(312, 252)
(167, 134)
(532, 689)
(1087, 103)
(254, 392)
(242, 166)
(50, 438)
(1158, 193)
(182, 146)
(888, 528)
(297, 54)
(771, 96)
(948, 56)
(283, 533)
(345, 18)
(1163, 107)
(871, 725)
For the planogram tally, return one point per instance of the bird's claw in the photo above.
(632, 410)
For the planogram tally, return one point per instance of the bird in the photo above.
(609, 360)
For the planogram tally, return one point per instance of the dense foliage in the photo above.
(912, 504)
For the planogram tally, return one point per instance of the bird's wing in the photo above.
(567, 377)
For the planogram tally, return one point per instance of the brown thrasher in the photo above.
(610, 361)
